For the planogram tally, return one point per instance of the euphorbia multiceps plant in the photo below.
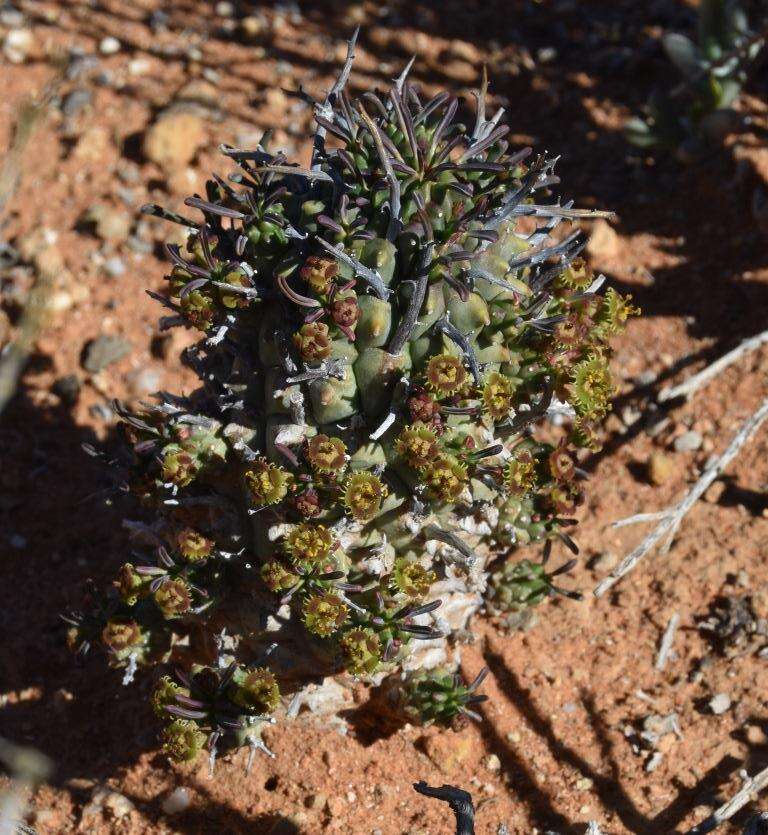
(383, 334)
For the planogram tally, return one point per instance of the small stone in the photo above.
(75, 102)
(315, 801)
(492, 763)
(585, 784)
(60, 301)
(93, 144)
(688, 442)
(139, 66)
(225, 9)
(111, 224)
(714, 492)
(103, 351)
(102, 411)
(464, 50)
(105, 799)
(253, 27)
(11, 18)
(118, 805)
(720, 703)
(448, 753)
(109, 45)
(603, 243)
(80, 784)
(182, 181)
(17, 45)
(660, 468)
(145, 381)
(546, 54)
(604, 561)
(335, 806)
(136, 244)
(114, 267)
(67, 388)
(276, 98)
(177, 801)
(655, 423)
(174, 139)
(756, 735)
(42, 817)
(654, 761)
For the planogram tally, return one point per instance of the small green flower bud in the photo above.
(326, 455)
(520, 473)
(173, 598)
(591, 387)
(122, 634)
(446, 478)
(165, 694)
(256, 690)
(198, 309)
(183, 740)
(276, 577)
(310, 545)
(498, 393)
(192, 545)
(446, 375)
(363, 495)
(417, 446)
(324, 613)
(412, 579)
(362, 648)
(131, 585)
(179, 466)
(313, 342)
(319, 273)
(267, 483)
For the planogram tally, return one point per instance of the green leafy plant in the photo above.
(382, 336)
(700, 109)
(442, 697)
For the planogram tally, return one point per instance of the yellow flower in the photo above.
(324, 613)
(445, 374)
(363, 495)
(446, 478)
(267, 483)
(309, 545)
(498, 392)
(417, 445)
(326, 455)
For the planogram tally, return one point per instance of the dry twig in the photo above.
(751, 787)
(667, 641)
(699, 380)
(670, 518)
(14, 357)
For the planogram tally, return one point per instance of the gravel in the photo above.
(720, 703)
(103, 351)
(688, 442)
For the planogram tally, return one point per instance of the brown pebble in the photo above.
(660, 468)
(714, 492)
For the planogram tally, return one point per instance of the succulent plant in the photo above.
(383, 333)
(522, 584)
(443, 697)
(699, 110)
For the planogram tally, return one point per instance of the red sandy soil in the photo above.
(559, 742)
